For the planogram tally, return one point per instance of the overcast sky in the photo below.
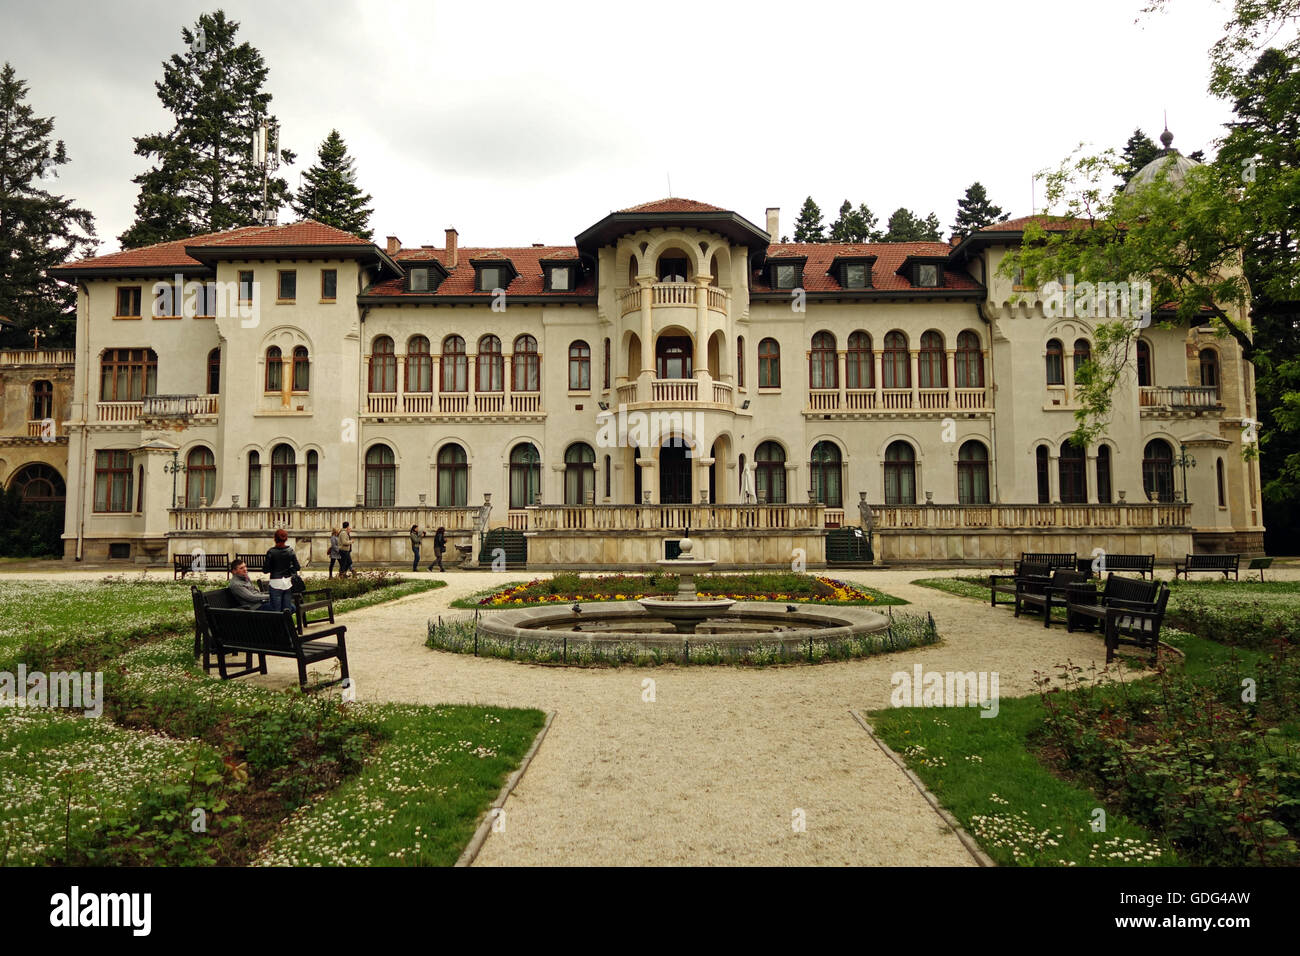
(527, 122)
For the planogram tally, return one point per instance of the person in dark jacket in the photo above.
(416, 537)
(439, 546)
(243, 589)
(281, 565)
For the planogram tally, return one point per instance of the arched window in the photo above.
(525, 475)
(274, 368)
(214, 372)
(740, 361)
(896, 366)
(769, 462)
(1144, 362)
(200, 477)
(969, 367)
(859, 366)
(42, 400)
(579, 366)
(1082, 354)
(900, 474)
(827, 471)
(673, 266)
(1042, 469)
(1055, 362)
(631, 270)
(1210, 370)
(1103, 475)
(301, 369)
(769, 364)
(313, 479)
(1221, 483)
(284, 477)
(419, 365)
(579, 473)
(254, 480)
(455, 365)
(383, 365)
(605, 366)
(527, 366)
(490, 365)
(1158, 470)
(453, 477)
(973, 474)
(381, 477)
(932, 368)
(1073, 474)
(127, 375)
(40, 486)
(823, 365)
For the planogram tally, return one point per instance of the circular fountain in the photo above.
(686, 610)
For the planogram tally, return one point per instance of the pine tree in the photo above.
(204, 177)
(38, 229)
(808, 227)
(329, 192)
(974, 211)
(905, 226)
(854, 225)
(1138, 151)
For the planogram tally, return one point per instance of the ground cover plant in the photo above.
(768, 586)
(184, 769)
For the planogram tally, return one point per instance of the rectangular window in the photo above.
(560, 279)
(329, 284)
(288, 288)
(489, 278)
(112, 481)
(245, 285)
(419, 280)
(787, 276)
(855, 275)
(205, 300)
(927, 275)
(128, 301)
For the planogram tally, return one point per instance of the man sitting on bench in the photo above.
(244, 590)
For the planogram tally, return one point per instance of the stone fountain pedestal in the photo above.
(686, 609)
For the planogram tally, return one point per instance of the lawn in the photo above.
(184, 769)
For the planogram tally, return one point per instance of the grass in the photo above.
(777, 586)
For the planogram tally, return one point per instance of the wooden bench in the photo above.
(1126, 608)
(183, 564)
(203, 645)
(309, 602)
(1032, 593)
(255, 562)
(1208, 562)
(1260, 564)
(1008, 583)
(273, 633)
(1143, 564)
(1052, 559)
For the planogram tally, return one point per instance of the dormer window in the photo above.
(489, 278)
(494, 272)
(787, 274)
(419, 280)
(927, 275)
(561, 279)
(853, 273)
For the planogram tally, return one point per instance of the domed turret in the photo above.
(1169, 162)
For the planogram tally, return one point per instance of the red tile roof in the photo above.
(1047, 222)
(173, 254)
(889, 258)
(674, 205)
(527, 261)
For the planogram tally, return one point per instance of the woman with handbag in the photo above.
(334, 549)
(439, 546)
(282, 567)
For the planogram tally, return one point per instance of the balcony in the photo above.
(433, 406)
(177, 407)
(884, 402)
(37, 357)
(679, 294)
(678, 391)
(1174, 399)
(118, 412)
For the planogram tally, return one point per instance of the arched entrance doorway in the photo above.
(674, 473)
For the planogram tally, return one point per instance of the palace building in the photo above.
(675, 365)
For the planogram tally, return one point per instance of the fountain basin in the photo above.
(685, 615)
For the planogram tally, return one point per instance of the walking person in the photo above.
(439, 546)
(416, 537)
(334, 549)
(345, 551)
(281, 565)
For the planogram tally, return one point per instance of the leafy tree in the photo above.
(204, 177)
(974, 211)
(808, 227)
(329, 192)
(1138, 151)
(906, 226)
(854, 225)
(38, 229)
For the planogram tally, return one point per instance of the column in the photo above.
(435, 382)
(791, 483)
(286, 380)
(914, 358)
(952, 377)
(702, 374)
(877, 359)
(401, 383)
(1054, 475)
(1090, 476)
(646, 374)
(840, 376)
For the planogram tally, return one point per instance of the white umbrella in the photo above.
(747, 485)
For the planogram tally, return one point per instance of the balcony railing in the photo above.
(118, 411)
(319, 520)
(823, 399)
(177, 406)
(674, 390)
(1012, 517)
(970, 398)
(933, 398)
(1179, 396)
(674, 294)
(674, 518)
(47, 428)
(436, 404)
(37, 357)
(896, 398)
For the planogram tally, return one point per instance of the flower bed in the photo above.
(625, 587)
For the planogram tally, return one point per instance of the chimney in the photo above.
(774, 223)
(955, 240)
(394, 246)
(453, 254)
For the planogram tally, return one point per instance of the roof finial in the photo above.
(1166, 137)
